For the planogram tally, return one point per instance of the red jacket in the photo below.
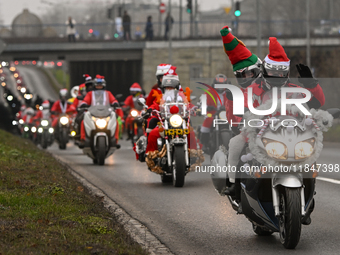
(88, 100)
(129, 101)
(150, 99)
(57, 107)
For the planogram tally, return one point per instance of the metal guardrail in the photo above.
(184, 30)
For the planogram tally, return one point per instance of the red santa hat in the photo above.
(171, 74)
(162, 69)
(277, 54)
(46, 104)
(135, 87)
(87, 77)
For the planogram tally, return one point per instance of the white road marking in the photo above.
(328, 180)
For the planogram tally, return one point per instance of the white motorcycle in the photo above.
(277, 170)
(100, 126)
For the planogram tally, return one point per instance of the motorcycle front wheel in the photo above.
(101, 153)
(44, 141)
(179, 167)
(290, 217)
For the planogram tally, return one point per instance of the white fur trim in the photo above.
(148, 130)
(163, 67)
(270, 61)
(135, 89)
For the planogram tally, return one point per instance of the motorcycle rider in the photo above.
(131, 103)
(170, 86)
(211, 109)
(275, 70)
(44, 113)
(161, 70)
(61, 107)
(155, 92)
(99, 84)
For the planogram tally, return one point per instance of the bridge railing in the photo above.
(199, 29)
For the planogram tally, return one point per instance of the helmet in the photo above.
(82, 90)
(170, 79)
(46, 104)
(275, 75)
(29, 111)
(74, 91)
(23, 108)
(135, 89)
(63, 94)
(219, 79)
(99, 82)
(161, 70)
(247, 75)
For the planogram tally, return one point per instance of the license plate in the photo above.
(176, 132)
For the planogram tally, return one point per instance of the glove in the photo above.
(84, 106)
(306, 76)
(149, 110)
(147, 114)
(115, 105)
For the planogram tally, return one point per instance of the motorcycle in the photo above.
(275, 180)
(173, 148)
(62, 131)
(100, 126)
(45, 133)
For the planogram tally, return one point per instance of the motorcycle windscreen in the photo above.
(100, 97)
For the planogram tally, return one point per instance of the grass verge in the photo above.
(44, 210)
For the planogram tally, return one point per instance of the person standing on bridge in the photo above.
(127, 26)
(149, 29)
(70, 29)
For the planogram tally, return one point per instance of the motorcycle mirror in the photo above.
(119, 96)
(335, 112)
(141, 102)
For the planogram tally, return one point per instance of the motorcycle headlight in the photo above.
(26, 129)
(223, 115)
(33, 129)
(40, 130)
(101, 123)
(63, 120)
(21, 121)
(14, 123)
(44, 123)
(275, 149)
(51, 130)
(73, 133)
(23, 90)
(134, 113)
(176, 120)
(304, 149)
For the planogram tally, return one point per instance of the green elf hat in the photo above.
(240, 57)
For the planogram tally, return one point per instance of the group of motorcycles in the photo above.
(277, 187)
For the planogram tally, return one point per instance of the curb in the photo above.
(138, 232)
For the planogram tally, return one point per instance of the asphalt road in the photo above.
(195, 219)
(37, 82)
